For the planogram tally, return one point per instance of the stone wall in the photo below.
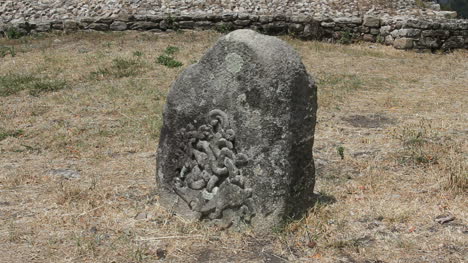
(405, 24)
(31, 10)
(401, 32)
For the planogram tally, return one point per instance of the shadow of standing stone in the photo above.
(236, 143)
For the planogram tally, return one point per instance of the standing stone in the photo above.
(236, 143)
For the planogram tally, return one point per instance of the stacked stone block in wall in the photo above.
(402, 33)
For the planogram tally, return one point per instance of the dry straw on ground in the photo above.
(390, 153)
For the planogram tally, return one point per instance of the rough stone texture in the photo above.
(371, 21)
(403, 43)
(236, 143)
(454, 42)
(274, 19)
(429, 42)
(118, 26)
(11, 10)
(99, 26)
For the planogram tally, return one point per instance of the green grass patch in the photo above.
(13, 33)
(346, 38)
(5, 50)
(13, 83)
(10, 133)
(340, 81)
(171, 50)
(137, 53)
(169, 61)
(421, 144)
(47, 86)
(224, 28)
(119, 68)
(334, 88)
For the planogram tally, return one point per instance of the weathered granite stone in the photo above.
(295, 29)
(348, 20)
(43, 27)
(57, 25)
(300, 19)
(389, 40)
(164, 25)
(154, 18)
(403, 43)
(203, 24)
(417, 24)
(454, 42)
(118, 26)
(87, 20)
(385, 30)
(144, 25)
(228, 17)
(186, 24)
(447, 14)
(364, 29)
(99, 26)
(313, 30)
(275, 28)
(328, 24)
(242, 22)
(374, 31)
(70, 25)
(265, 19)
(436, 33)
(429, 42)
(409, 32)
(236, 142)
(371, 21)
(368, 38)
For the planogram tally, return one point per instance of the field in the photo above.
(79, 123)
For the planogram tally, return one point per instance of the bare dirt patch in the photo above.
(371, 121)
(390, 151)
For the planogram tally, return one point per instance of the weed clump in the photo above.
(10, 133)
(167, 59)
(13, 33)
(137, 53)
(341, 151)
(345, 82)
(346, 38)
(5, 50)
(416, 141)
(424, 147)
(171, 50)
(119, 68)
(47, 86)
(224, 28)
(171, 23)
(13, 83)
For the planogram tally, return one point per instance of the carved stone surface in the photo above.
(236, 142)
(212, 170)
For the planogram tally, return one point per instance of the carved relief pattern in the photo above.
(211, 180)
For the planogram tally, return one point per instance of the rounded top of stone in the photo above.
(269, 48)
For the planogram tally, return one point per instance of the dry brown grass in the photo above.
(399, 117)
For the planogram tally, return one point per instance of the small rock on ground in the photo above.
(65, 173)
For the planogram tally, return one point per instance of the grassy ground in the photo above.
(391, 155)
